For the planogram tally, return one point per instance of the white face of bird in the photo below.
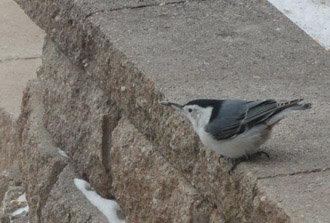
(198, 116)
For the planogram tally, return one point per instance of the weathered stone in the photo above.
(21, 218)
(40, 162)
(9, 207)
(8, 140)
(12, 193)
(11, 177)
(81, 124)
(47, 174)
(81, 99)
(147, 186)
(216, 217)
(65, 203)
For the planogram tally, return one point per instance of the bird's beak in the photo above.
(172, 105)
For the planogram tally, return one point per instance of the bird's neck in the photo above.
(202, 119)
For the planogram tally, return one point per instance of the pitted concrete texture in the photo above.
(67, 204)
(208, 49)
(150, 189)
(86, 141)
(147, 186)
(20, 50)
(47, 174)
(8, 140)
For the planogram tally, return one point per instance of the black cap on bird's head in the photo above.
(203, 103)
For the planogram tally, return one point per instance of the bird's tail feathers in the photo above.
(301, 107)
(288, 107)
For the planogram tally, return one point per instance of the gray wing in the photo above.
(235, 116)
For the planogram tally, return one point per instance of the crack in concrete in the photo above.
(130, 7)
(107, 130)
(318, 170)
(20, 58)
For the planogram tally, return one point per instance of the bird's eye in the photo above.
(189, 110)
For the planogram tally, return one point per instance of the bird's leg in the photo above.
(260, 153)
(237, 161)
(220, 157)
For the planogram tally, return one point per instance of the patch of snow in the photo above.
(21, 198)
(20, 211)
(62, 153)
(312, 16)
(108, 207)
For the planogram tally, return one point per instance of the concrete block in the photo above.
(147, 186)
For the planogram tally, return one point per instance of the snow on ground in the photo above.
(108, 207)
(62, 153)
(312, 16)
(20, 199)
(19, 211)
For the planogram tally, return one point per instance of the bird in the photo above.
(236, 128)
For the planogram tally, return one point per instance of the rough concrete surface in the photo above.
(47, 174)
(66, 203)
(88, 139)
(40, 161)
(147, 186)
(8, 207)
(202, 49)
(88, 142)
(8, 140)
(8, 178)
(305, 197)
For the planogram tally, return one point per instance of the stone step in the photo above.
(85, 124)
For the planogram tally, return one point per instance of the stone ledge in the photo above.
(82, 125)
(202, 49)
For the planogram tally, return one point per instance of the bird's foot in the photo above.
(260, 153)
(235, 162)
(220, 157)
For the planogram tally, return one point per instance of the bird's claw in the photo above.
(237, 161)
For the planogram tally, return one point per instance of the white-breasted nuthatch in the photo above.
(236, 128)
